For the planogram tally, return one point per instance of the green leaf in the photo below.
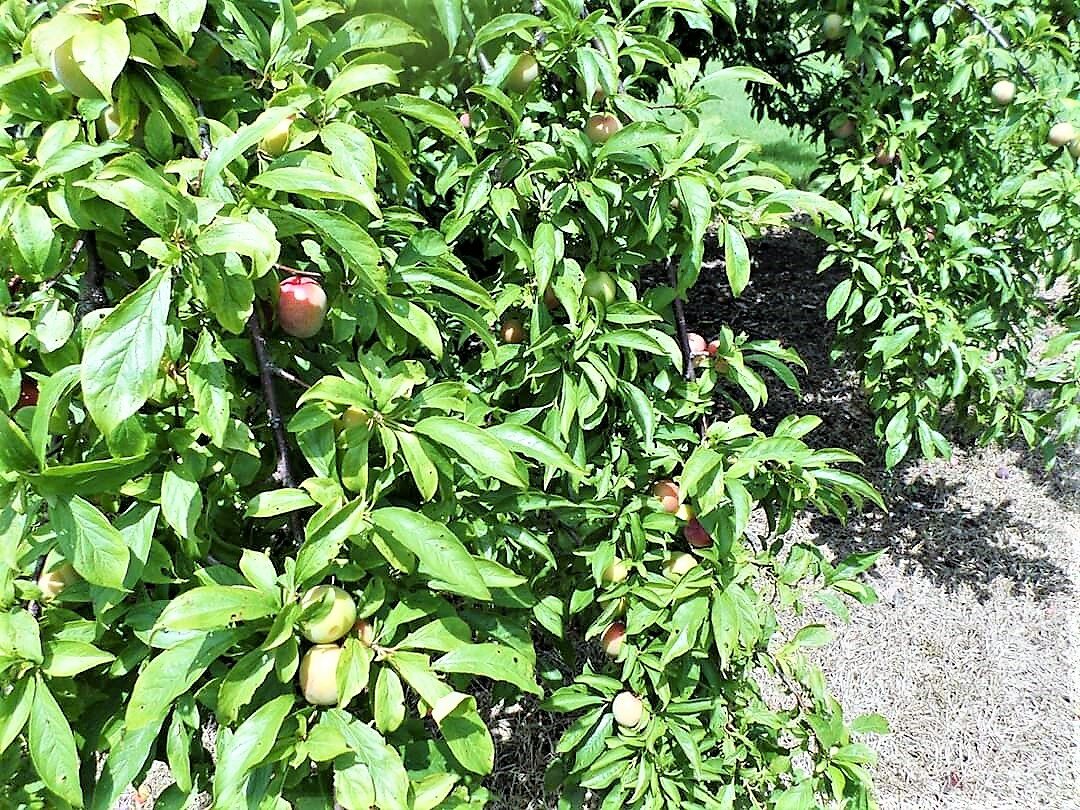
(233, 146)
(318, 185)
(530, 442)
(450, 19)
(125, 761)
(240, 682)
(65, 659)
(247, 747)
(353, 670)
(52, 747)
(476, 446)
(15, 451)
(323, 543)
(421, 467)
(631, 339)
(491, 661)
(736, 259)
(387, 770)
(389, 701)
(441, 554)
(14, 711)
(465, 733)
(102, 51)
(208, 380)
(433, 114)
(350, 241)
(210, 607)
(54, 389)
(172, 673)
(278, 502)
(359, 75)
(123, 354)
(92, 544)
(183, 18)
(686, 622)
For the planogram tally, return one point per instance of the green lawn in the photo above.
(792, 151)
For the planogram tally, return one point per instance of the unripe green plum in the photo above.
(616, 572)
(1061, 134)
(318, 674)
(612, 640)
(301, 306)
(601, 286)
(109, 125)
(54, 581)
(275, 143)
(1003, 92)
(1074, 148)
(69, 72)
(336, 623)
(628, 709)
(600, 128)
(676, 566)
(525, 71)
(669, 495)
(832, 27)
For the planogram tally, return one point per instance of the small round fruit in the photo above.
(365, 631)
(627, 709)
(551, 301)
(832, 27)
(696, 535)
(1074, 148)
(275, 143)
(617, 571)
(612, 640)
(301, 306)
(697, 343)
(52, 582)
(685, 512)
(524, 72)
(109, 125)
(601, 127)
(676, 566)
(844, 130)
(669, 494)
(601, 286)
(1003, 92)
(318, 674)
(68, 71)
(1061, 134)
(28, 394)
(883, 157)
(512, 331)
(353, 417)
(465, 120)
(336, 623)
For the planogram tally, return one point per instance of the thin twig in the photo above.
(998, 37)
(283, 472)
(288, 376)
(538, 10)
(33, 605)
(204, 131)
(680, 323)
(92, 288)
(296, 271)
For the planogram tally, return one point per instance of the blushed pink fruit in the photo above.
(301, 306)
(612, 640)
(696, 535)
(669, 495)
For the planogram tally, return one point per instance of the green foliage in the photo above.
(200, 470)
(964, 231)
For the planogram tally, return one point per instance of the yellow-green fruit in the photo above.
(677, 565)
(53, 582)
(627, 709)
(108, 125)
(601, 287)
(616, 572)
(318, 674)
(525, 71)
(1074, 148)
(833, 26)
(1061, 133)
(68, 71)
(1003, 92)
(276, 142)
(334, 624)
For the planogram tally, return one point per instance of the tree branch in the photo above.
(283, 472)
(680, 324)
(998, 37)
(92, 288)
(33, 605)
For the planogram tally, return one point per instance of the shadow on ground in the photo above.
(931, 524)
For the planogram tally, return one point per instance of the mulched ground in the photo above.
(971, 651)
